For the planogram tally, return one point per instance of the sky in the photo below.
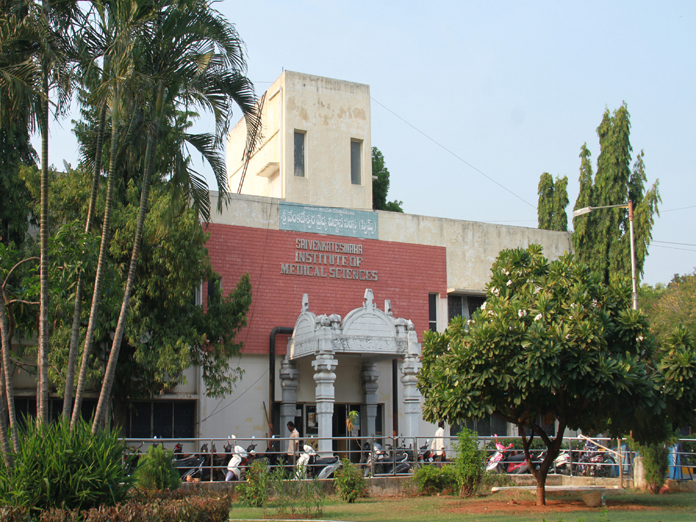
(473, 101)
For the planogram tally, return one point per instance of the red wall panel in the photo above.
(405, 274)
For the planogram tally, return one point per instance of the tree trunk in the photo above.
(91, 326)
(110, 373)
(75, 335)
(541, 490)
(5, 374)
(42, 356)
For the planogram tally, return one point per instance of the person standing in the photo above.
(438, 444)
(293, 444)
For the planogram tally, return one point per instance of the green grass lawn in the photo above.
(676, 507)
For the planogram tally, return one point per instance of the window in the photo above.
(163, 419)
(432, 312)
(455, 307)
(25, 407)
(356, 162)
(484, 427)
(463, 305)
(475, 302)
(300, 154)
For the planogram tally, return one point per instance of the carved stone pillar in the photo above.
(368, 378)
(410, 366)
(289, 380)
(324, 376)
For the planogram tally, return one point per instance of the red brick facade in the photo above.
(335, 271)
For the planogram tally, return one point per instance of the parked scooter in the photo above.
(380, 462)
(311, 465)
(425, 454)
(189, 466)
(561, 464)
(506, 461)
(241, 458)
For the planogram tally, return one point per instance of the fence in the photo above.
(385, 455)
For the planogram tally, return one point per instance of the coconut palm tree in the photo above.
(191, 57)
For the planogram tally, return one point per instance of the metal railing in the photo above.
(599, 457)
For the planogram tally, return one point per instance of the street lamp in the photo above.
(629, 206)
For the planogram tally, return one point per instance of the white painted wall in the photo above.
(331, 113)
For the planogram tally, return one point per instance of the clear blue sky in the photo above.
(511, 88)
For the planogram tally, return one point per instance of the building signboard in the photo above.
(327, 220)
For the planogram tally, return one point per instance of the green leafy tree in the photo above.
(601, 239)
(15, 151)
(553, 200)
(670, 306)
(380, 186)
(167, 331)
(189, 56)
(552, 340)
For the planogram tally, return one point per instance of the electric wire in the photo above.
(680, 208)
(674, 248)
(673, 243)
(453, 154)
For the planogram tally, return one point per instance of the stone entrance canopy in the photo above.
(366, 331)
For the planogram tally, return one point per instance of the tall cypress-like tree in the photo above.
(380, 184)
(602, 238)
(553, 199)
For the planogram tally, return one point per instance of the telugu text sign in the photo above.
(328, 220)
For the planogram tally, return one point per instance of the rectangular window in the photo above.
(356, 162)
(162, 419)
(455, 306)
(432, 312)
(475, 302)
(300, 154)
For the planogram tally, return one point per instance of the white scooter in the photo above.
(240, 458)
(310, 465)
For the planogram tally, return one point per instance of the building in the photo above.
(321, 261)
(357, 287)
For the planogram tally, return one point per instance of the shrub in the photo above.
(655, 463)
(254, 493)
(490, 479)
(349, 481)
(156, 508)
(156, 470)
(57, 467)
(468, 462)
(431, 479)
(295, 497)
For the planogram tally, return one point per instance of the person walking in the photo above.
(293, 444)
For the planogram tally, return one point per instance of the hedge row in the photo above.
(185, 509)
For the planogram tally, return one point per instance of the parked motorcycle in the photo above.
(595, 463)
(311, 465)
(131, 458)
(270, 457)
(189, 467)
(381, 462)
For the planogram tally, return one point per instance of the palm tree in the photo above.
(191, 57)
(118, 25)
(19, 76)
(42, 33)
